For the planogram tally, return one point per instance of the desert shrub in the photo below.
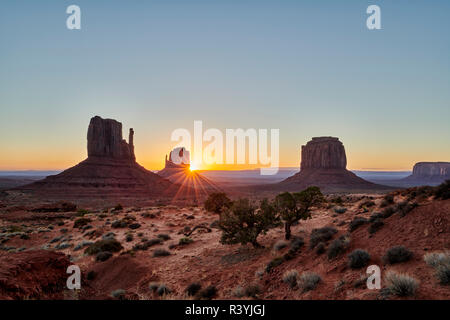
(358, 259)
(163, 290)
(110, 245)
(376, 225)
(252, 290)
(294, 207)
(405, 207)
(335, 248)
(443, 274)
(337, 200)
(134, 226)
(217, 202)
(397, 254)
(161, 253)
(208, 293)
(103, 256)
(274, 263)
(279, 245)
(244, 222)
(184, 241)
(366, 204)
(118, 294)
(387, 212)
(153, 286)
(443, 191)
(118, 207)
(375, 216)
(435, 259)
(238, 292)
(290, 277)
(147, 244)
(401, 285)
(294, 247)
(389, 198)
(163, 236)
(80, 222)
(129, 237)
(119, 224)
(193, 289)
(82, 212)
(308, 281)
(296, 244)
(320, 248)
(440, 261)
(340, 210)
(356, 223)
(321, 235)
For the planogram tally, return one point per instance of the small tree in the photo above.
(217, 201)
(293, 207)
(243, 222)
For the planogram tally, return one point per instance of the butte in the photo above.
(110, 170)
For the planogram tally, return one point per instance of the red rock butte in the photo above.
(110, 169)
(324, 164)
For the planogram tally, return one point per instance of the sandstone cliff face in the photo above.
(104, 139)
(427, 170)
(323, 153)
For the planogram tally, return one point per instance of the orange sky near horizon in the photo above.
(36, 158)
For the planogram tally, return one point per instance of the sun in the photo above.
(192, 167)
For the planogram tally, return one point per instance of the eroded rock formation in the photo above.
(427, 173)
(323, 153)
(110, 170)
(104, 139)
(432, 170)
(323, 164)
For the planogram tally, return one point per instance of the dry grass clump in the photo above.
(290, 277)
(321, 235)
(401, 285)
(308, 281)
(440, 261)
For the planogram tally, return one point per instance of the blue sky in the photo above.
(309, 68)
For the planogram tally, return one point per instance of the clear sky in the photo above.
(308, 68)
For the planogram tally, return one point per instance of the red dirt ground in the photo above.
(35, 273)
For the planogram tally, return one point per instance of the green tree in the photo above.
(293, 207)
(217, 202)
(243, 222)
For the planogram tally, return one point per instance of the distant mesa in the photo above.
(109, 170)
(324, 164)
(178, 170)
(428, 173)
